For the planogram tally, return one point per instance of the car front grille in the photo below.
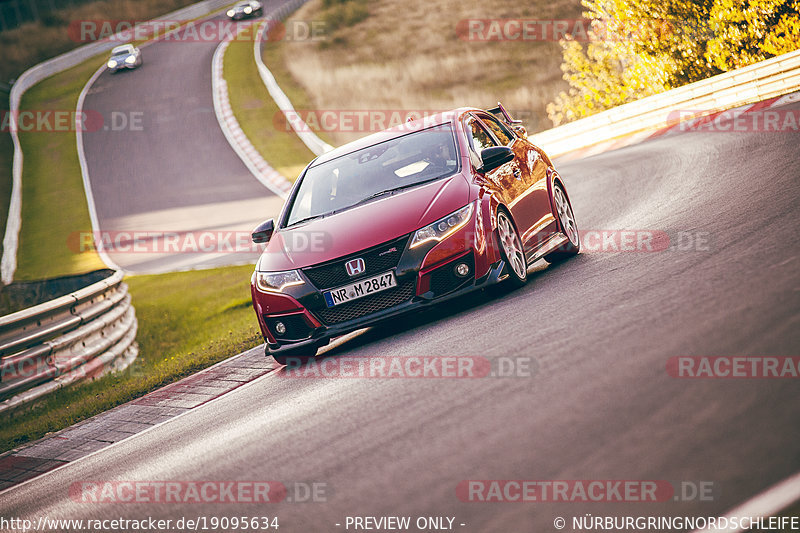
(368, 304)
(376, 260)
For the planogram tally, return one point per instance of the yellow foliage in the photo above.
(643, 47)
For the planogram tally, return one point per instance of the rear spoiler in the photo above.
(501, 113)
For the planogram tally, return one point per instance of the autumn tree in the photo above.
(642, 47)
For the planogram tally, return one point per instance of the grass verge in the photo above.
(187, 322)
(275, 55)
(258, 114)
(54, 203)
(6, 159)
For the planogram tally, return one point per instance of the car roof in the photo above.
(399, 130)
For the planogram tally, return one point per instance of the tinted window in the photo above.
(499, 130)
(480, 137)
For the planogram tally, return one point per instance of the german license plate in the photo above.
(359, 289)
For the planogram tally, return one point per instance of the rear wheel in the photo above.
(567, 220)
(511, 250)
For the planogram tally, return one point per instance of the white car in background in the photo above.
(125, 56)
(243, 10)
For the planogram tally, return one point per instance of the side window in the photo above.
(480, 137)
(500, 131)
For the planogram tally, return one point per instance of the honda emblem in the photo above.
(354, 267)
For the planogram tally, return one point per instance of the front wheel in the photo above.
(567, 220)
(511, 250)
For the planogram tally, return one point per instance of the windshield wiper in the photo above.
(307, 219)
(387, 191)
(367, 199)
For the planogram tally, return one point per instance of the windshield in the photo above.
(373, 171)
(123, 52)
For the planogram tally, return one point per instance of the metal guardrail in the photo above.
(31, 77)
(309, 138)
(766, 79)
(81, 335)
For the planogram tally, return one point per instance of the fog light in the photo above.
(462, 269)
(280, 328)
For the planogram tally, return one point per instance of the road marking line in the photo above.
(87, 185)
(768, 503)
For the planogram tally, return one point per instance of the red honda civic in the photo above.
(403, 219)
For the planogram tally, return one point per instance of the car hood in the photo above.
(364, 226)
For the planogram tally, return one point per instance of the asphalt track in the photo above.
(600, 405)
(161, 163)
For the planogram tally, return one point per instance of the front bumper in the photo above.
(425, 276)
(322, 335)
(122, 65)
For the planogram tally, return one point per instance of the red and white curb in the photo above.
(692, 122)
(252, 158)
(153, 409)
(309, 138)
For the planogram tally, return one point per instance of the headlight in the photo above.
(277, 281)
(112, 63)
(248, 10)
(444, 227)
(231, 13)
(130, 60)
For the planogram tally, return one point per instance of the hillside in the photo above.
(409, 55)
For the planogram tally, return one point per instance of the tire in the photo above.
(566, 219)
(295, 358)
(511, 250)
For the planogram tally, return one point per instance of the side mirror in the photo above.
(495, 156)
(263, 232)
(520, 130)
